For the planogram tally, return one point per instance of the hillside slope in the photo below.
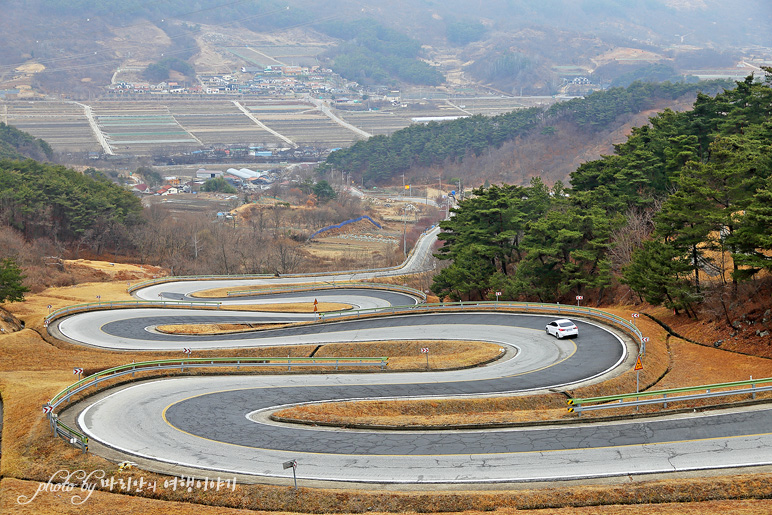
(81, 44)
(16, 144)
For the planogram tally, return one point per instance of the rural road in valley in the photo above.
(220, 424)
(419, 260)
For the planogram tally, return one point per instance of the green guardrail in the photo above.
(559, 309)
(663, 393)
(120, 304)
(154, 364)
(79, 439)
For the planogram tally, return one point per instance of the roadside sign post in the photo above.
(498, 294)
(643, 344)
(78, 371)
(187, 353)
(579, 298)
(99, 299)
(425, 350)
(293, 464)
(633, 317)
(638, 368)
(49, 308)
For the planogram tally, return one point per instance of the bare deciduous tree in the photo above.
(638, 227)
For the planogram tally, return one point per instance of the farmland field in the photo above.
(160, 123)
(140, 127)
(376, 122)
(303, 123)
(220, 123)
(62, 124)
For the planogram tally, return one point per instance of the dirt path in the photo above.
(95, 128)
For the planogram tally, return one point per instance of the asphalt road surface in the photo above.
(220, 424)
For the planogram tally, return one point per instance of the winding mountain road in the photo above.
(221, 423)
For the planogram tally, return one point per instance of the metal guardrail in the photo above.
(558, 309)
(617, 401)
(526, 307)
(98, 306)
(78, 439)
(70, 435)
(330, 285)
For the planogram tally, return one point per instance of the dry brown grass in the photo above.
(663, 496)
(430, 412)
(287, 307)
(50, 503)
(101, 502)
(406, 355)
(302, 307)
(32, 369)
(214, 328)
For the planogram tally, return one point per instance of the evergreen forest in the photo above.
(43, 200)
(681, 211)
(424, 145)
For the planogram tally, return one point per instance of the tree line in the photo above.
(49, 213)
(382, 157)
(39, 199)
(683, 199)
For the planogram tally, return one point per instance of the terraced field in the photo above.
(488, 106)
(303, 123)
(376, 122)
(220, 123)
(144, 127)
(63, 125)
(140, 127)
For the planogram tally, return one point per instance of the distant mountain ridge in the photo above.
(82, 42)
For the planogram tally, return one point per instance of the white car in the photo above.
(562, 328)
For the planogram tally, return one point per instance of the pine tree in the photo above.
(12, 287)
(753, 236)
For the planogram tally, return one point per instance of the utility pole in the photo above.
(404, 230)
